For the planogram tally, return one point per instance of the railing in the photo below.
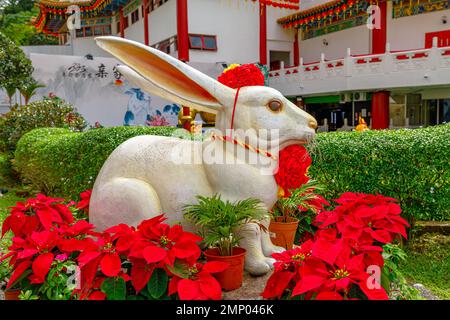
(365, 72)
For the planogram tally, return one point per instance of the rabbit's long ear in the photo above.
(167, 77)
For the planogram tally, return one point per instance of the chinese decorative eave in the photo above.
(326, 13)
(54, 13)
(283, 4)
(59, 7)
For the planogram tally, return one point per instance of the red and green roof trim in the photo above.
(327, 12)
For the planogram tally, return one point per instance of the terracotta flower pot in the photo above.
(283, 233)
(12, 294)
(231, 278)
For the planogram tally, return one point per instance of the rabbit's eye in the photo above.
(275, 105)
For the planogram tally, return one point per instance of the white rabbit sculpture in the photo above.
(140, 180)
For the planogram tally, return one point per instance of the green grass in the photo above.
(8, 200)
(428, 263)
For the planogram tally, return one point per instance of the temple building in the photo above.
(385, 61)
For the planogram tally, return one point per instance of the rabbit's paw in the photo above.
(270, 262)
(257, 267)
(269, 248)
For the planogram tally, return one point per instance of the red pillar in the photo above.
(379, 36)
(146, 39)
(182, 30)
(296, 50)
(183, 44)
(380, 110)
(262, 33)
(122, 22)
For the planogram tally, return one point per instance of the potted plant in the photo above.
(219, 223)
(298, 209)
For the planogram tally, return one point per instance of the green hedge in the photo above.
(410, 165)
(59, 162)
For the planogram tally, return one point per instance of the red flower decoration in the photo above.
(293, 166)
(242, 76)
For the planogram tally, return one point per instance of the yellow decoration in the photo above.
(362, 125)
(280, 192)
(231, 67)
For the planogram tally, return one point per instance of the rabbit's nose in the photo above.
(312, 123)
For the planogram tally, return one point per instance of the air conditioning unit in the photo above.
(360, 96)
(346, 97)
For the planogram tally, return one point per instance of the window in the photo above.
(93, 31)
(135, 16)
(209, 43)
(202, 42)
(195, 42)
(107, 30)
(79, 33)
(88, 31)
(98, 31)
(167, 45)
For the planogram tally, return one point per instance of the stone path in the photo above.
(251, 289)
(253, 286)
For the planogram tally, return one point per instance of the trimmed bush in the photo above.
(62, 163)
(39, 114)
(410, 165)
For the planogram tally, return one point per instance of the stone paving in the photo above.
(253, 286)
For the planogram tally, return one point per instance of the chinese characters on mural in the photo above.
(139, 110)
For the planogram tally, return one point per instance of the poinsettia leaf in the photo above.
(329, 295)
(140, 274)
(307, 283)
(188, 289)
(114, 288)
(210, 287)
(19, 273)
(111, 264)
(154, 254)
(41, 266)
(157, 285)
(179, 269)
(45, 216)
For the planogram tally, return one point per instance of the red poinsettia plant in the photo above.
(344, 260)
(59, 257)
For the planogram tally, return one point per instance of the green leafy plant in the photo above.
(15, 67)
(28, 295)
(302, 204)
(29, 88)
(59, 284)
(392, 279)
(219, 221)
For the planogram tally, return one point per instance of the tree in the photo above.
(15, 67)
(28, 89)
(15, 23)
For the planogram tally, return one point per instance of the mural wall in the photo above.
(99, 91)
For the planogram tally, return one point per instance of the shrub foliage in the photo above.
(59, 162)
(410, 165)
(39, 114)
